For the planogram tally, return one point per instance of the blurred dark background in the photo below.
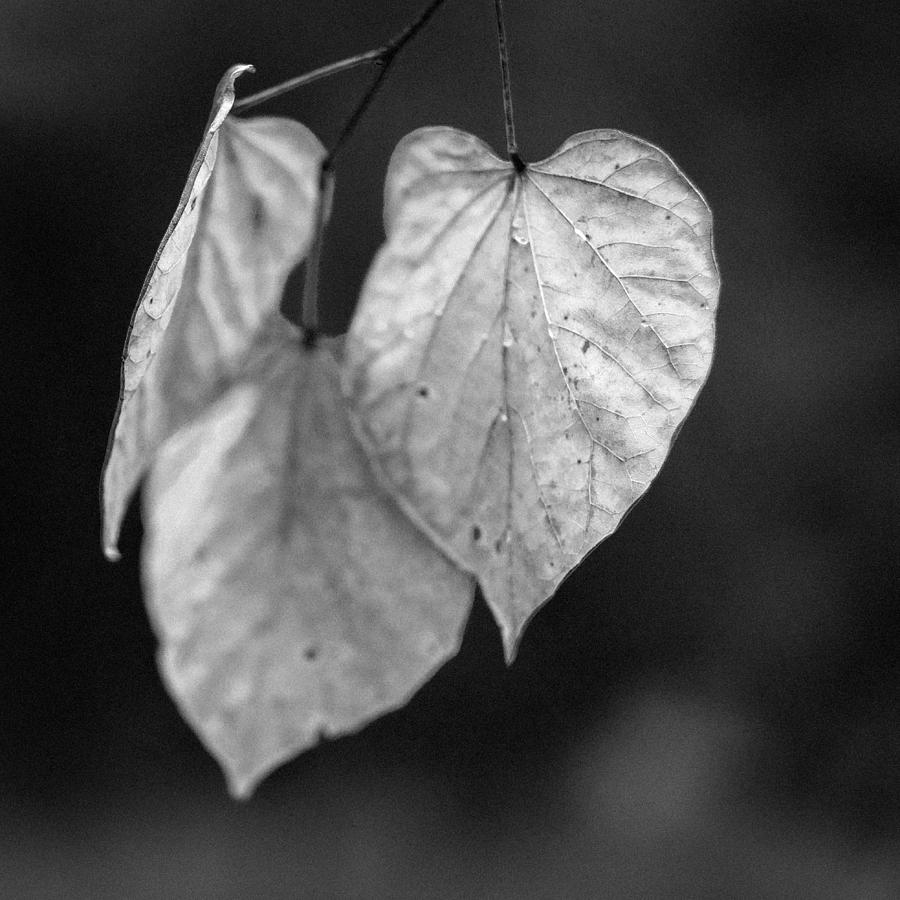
(709, 706)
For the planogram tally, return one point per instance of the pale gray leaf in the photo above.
(291, 597)
(527, 345)
(245, 220)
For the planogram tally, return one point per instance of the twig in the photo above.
(385, 56)
(512, 149)
(309, 310)
(351, 62)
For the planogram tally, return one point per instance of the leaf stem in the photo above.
(309, 310)
(384, 57)
(351, 62)
(512, 149)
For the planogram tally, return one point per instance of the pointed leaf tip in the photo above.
(226, 82)
(224, 97)
(112, 554)
(242, 788)
(242, 68)
(512, 630)
(510, 647)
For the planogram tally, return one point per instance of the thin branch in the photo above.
(351, 62)
(309, 310)
(385, 57)
(512, 149)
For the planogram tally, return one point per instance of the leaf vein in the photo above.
(622, 191)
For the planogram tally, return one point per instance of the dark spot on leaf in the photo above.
(587, 237)
(476, 533)
(422, 391)
(201, 553)
(311, 653)
(565, 370)
(668, 217)
(257, 214)
(566, 317)
(578, 461)
(498, 545)
(617, 165)
(584, 346)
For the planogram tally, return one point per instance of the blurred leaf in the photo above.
(527, 345)
(291, 597)
(219, 272)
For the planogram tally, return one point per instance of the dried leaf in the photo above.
(245, 220)
(527, 346)
(291, 597)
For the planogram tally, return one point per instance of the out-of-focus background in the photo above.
(709, 706)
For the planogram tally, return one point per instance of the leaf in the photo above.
(291, 597)
(526, 347)
(244, 221)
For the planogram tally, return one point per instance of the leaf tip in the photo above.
(241, 786)
(112, 523)
(244, 774)
(245, 769)
(236, 71)
(111, 552)
(512, 638)
(224, 97)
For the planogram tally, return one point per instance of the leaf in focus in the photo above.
(244, 222)
(291, 597)
(526, 347)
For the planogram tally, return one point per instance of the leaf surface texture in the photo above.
(245, 220)
(292, 598)
(527, 345)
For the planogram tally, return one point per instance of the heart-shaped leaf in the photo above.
(527, 345)
(245, 220)
(292, 598)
